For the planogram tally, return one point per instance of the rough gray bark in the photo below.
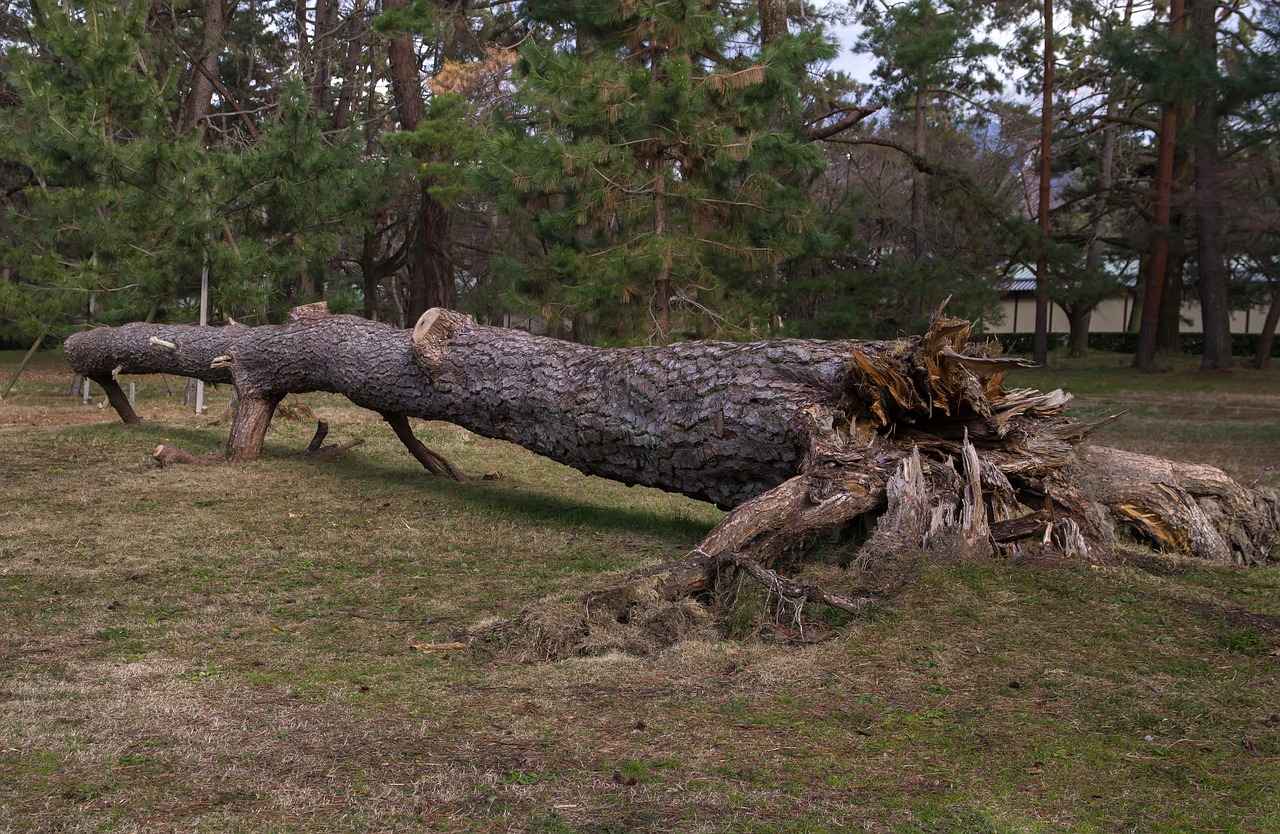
(773, 20)
(204, 73)
(793, 436)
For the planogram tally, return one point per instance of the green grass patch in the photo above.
(230, 649)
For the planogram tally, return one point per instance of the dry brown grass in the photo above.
(229, 649)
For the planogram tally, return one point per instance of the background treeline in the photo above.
(634, 171)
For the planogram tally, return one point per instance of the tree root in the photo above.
(166, 456)
(790, 590)
(944, 497)
(432, 461)
(315, 451)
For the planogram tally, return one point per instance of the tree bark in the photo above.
(773, 20)
(205, 67)
(1041, 339)
(430, 278)
(1162, 203)
(1262, 358)
(917, 437)
(918, 136)
(352, 68)
(1215, 315)
(1079, 314)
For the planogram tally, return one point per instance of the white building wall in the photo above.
(1111, 316)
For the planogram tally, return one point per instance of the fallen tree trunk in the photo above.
(792, 436)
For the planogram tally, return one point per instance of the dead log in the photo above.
(791, 436)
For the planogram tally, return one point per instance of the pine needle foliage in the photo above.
(655, 168)
(121, 211)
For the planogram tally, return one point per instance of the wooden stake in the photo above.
(22, 366)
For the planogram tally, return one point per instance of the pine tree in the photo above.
(945, 236)
(126, 203)
(654, 168)
(89, 132)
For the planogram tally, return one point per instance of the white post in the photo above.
(132, 394)
(86, 390)
(204, 317)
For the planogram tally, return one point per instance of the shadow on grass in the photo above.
(147, 433)
(530, 504)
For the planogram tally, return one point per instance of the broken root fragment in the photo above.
(315, 451)
(165, 455)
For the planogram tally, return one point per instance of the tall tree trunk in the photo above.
(352, 68)
(199, 98)
(1181, 221)
(372, 278)
(1080, 311)
(1211, 269)
(430, 273)
(301, 21)
(1262, 358)
(662, 283)
(430, 278)
(1079, 314)
(1169, 325)
(1041, 340)
(918, 247)
(773, 20)
(1157, 266)
(326, 27)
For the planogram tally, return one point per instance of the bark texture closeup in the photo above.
(917, 438)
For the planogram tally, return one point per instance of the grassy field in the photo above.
(231, 649)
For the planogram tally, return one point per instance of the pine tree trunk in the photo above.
(1215, 315)
(1169, 326)
(773, 20)
(430, 280)
(918, 179)
(1162, 200)
(205, 67)
(916, 440)
(1078, 317)
(662, 283)
(1041, 339)
(1262, 358)
(321, 77)
(797, 435)
(352, 69)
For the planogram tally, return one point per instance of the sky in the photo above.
(857, 66)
